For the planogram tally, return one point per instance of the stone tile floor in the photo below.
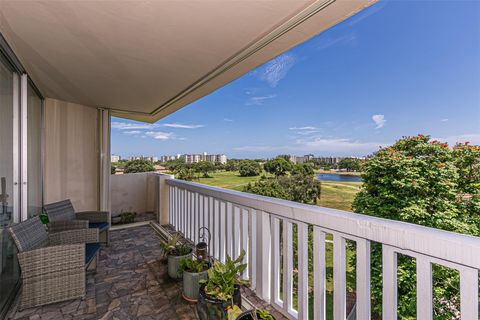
(131, 282)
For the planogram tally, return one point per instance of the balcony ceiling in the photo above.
(146, 59)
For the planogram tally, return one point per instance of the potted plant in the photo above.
(222, 289)
(175, 252)
(194, 271)
(257, 314)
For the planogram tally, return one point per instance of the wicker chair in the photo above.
(53, 265)
(62, 217)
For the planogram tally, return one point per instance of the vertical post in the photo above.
(263, 255)
(24, 146)
(104, 159)
(163, 198)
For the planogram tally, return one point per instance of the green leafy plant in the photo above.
(264, 315)
(193, 265)
(222, 278)
(127, 217)
(174, 247)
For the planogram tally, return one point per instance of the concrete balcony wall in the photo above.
(133, 192)
(71, 154)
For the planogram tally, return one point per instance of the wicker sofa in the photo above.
(54, 265)
(62, 217)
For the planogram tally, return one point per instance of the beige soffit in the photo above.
(147, 59)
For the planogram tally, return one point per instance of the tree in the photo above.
(249, 168)
(305, 169)
(232, 165)
(267, 187)
(138, 166)
(185, 173)
(204, 167)
(175, 165)
(278, 166)
(350, 164)
(423, 182)
(113, 169)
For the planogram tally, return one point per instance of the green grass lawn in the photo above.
(336, 195)
(228, 180)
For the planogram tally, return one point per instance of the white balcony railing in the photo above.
(245, 221)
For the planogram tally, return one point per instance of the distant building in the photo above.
(213, 158)
(114, 158)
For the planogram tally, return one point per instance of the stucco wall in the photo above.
(71, 154)
(133, 192)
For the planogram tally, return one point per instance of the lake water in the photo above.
(339, 177)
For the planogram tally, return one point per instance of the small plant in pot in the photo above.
(222, 289)
(194, 270)
(257, 314)
(175, 252)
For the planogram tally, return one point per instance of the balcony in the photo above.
(131, 280)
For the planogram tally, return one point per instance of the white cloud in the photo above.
(227, 120)
(303, 128)
(258, 101)
(159, 135)
(473, 138)
(182, 126)
(337, 145)
(379, 120)
(444, 120)
(132, 132)
(131, 126)
(306, 132)
(320, 145)
(325, 42)
(277, 69)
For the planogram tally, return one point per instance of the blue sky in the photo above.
(398, 68)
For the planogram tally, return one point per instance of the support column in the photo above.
(163, 199)
(104, 159)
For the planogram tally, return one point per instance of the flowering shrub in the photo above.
(425, 182)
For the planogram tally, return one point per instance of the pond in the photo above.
(339, 177)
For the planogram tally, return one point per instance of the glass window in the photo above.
(9, 271)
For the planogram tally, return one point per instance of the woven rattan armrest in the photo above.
(93, 216)
(57, 226)
(51, 259)
(74, 236)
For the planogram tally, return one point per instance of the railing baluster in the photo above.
(244, 240)
(469, 293)
(275, 261)
(424, 289)
(262, 246)
(319, 272)
(215, 228)
(236, 232)
(389, 272)
(339, 277)
(252, 253)
(287, 265)
(229, 227)
(363, 280)
(302, 232)
(223, 233)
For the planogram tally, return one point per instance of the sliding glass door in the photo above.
(34, 152)
(9, 270)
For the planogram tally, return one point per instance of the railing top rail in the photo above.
(453, 247)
